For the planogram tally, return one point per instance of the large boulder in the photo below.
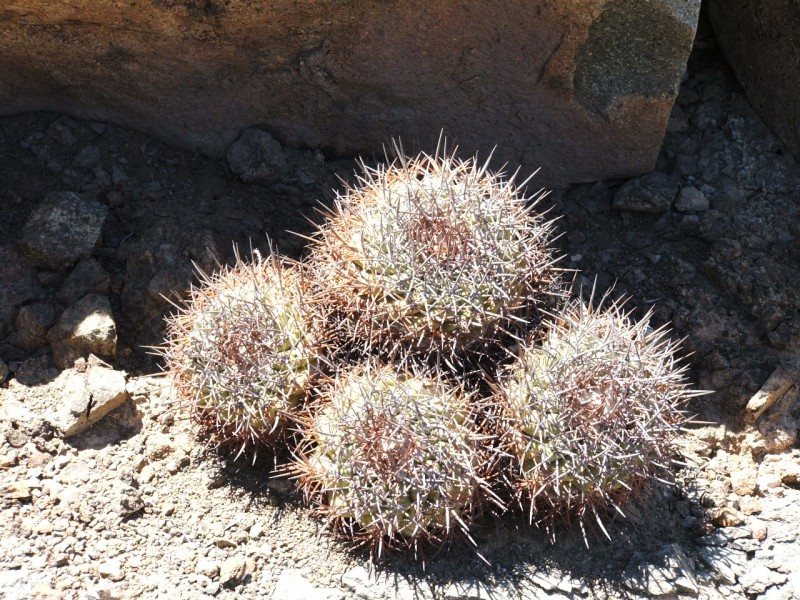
(761, 42)
(582, 88)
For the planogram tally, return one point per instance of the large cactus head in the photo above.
(243, 352)
(392, 457)
(433, 253)
(591, 412)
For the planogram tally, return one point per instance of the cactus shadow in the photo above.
(513, 559)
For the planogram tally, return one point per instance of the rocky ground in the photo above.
(106, 493)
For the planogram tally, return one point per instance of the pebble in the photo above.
(292, 585)
(758, 578)
(653, 193)
(111, 569)
(209, 568)
(691, 199)
(233, 570)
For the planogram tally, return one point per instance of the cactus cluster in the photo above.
(590, 412)
(426, 337)
(244, 351)
(433, 254)
(394, 455)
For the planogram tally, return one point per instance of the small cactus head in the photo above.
(392, 458)
(591, 412)
(433, 254)
(243, 352)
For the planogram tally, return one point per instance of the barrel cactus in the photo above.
(392, 457)
(590, 412)
(433, 254)
(243, 352)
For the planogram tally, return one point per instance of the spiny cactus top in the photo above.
(395, 457)
(592, 411)
(433, 253)
(243, 351)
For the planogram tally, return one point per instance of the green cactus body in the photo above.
(394, 457)
(433, 253)
(592, 411)
(243, 352)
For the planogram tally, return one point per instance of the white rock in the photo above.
(293, 586)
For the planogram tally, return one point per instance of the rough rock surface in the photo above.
(257, 157)
(63, 229)
(88, 277)
(18, 284)
(761, 41)
(87, 327)
(69, 404)
(561, 85)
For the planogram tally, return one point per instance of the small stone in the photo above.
(691, 199)
(87, 277)
(62, 230)
(780, 381)
(257, 157)
(686, 585)
(87, 327)
(743, 481)
(18, 284)
(147, 474)
(292, 585)
(750, 505)
(758, 529)
(87, 398)
(3, 371)
(111, 569)
(159, 446)
(233, 570)
(726, 516)
(18, 490)
(216, 481)
(651, 193)
(758, 578)
(9, 459)
(769, 481)
(88, 157)
(32, 324)
(206, 567)
(255, 531)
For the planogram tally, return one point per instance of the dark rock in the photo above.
(761, 41)
(651, 193)
(87, 327)
(691, 199)
(31, 325)
(88, 277)
(18, 284)
(63, 229)
(257, 157)
(35, 370)
(88, 157)
(156, 272)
